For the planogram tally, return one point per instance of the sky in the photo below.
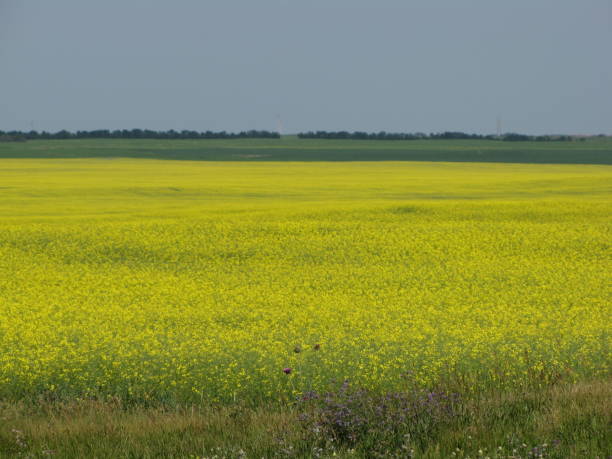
(541, 66)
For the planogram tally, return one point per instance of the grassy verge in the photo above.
(560, 421)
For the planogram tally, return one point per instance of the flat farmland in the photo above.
(595, 150)
(191, 281)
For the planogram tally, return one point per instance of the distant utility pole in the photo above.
(279, 125)
(499, 126)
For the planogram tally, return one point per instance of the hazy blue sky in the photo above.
(544, 66)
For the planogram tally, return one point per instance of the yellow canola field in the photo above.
(201, 280)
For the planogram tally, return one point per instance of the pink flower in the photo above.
(287, 370)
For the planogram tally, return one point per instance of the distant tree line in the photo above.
(359, 135)
(253, 134)
(135, 134)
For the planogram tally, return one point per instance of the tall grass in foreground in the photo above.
(560, 421)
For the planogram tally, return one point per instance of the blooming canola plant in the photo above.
(192, 280)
